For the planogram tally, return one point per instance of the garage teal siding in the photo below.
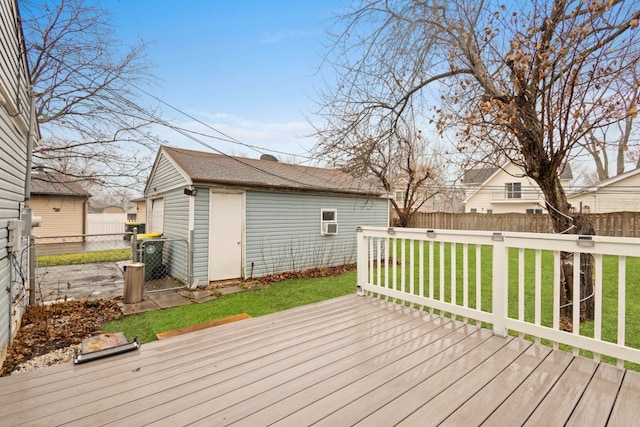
(201, 237)
(165, 177)
(283, 230)
(176, 226)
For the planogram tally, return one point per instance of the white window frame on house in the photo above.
(398, 196)
(513, 190)
(533, 211)
(328, 222)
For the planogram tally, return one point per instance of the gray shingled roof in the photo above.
(204, 167)
(54, 185)
(480, 175)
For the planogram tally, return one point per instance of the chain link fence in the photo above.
(92, 266)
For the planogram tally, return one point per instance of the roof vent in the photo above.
(269, 157)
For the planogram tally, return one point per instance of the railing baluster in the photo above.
(411, 266)
(379, 262)
(576, 297)
(386, 263)
(597, 290)
(453, 274)
(431, 271)
(478, 277)
(403, 267)
(421, 271)
(622, 299)
(465, 277)
(556, 293)
(442, 271)
(521, 287)
(395, 264)
(371, 260)
(538, 290)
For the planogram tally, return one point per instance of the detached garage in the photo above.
(248, 218)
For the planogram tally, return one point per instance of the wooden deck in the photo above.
(348, 361)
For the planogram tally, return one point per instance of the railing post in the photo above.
(361, 260)
(499, 285)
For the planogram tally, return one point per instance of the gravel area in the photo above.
(55, 357)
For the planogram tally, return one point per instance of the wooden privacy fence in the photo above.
(615, 224)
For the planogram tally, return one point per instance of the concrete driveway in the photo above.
(100, 280)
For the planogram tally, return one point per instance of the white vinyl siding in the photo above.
(14, 119)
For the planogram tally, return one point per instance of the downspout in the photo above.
(27, 197)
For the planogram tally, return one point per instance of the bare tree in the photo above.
(621, 139)
(91, 112)
(392, 152)
(531, 79)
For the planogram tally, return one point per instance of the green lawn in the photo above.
(279, 296)
(112, 255)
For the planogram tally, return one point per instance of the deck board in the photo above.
(348, 361)
(625, 410)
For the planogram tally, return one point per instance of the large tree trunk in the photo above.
(564, 222)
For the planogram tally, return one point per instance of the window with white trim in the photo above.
(328, 222)
(513, 190)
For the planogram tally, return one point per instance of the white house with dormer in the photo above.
(505, 190)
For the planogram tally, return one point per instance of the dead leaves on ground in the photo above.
(47, 328)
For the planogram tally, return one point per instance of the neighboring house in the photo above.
(248, 218)
(140, 214)
(505, 190)
(617, 194)
(18, 133)
(62, 206)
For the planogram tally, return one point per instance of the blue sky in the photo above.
(247, 68)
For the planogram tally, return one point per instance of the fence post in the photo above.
(499, 284)
(362, 259)
(134, 245)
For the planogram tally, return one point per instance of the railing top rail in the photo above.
(624, 246)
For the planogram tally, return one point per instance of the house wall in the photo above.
(14, 122)
(141, 212)
(616, 197)
(201, 237)
(282, 231)
(491, 197)
(167, 182)
(176, 226)
(165, 177)
(61, 216)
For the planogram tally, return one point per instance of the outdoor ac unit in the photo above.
(329, 228)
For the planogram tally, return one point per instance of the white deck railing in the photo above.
(509, 280)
